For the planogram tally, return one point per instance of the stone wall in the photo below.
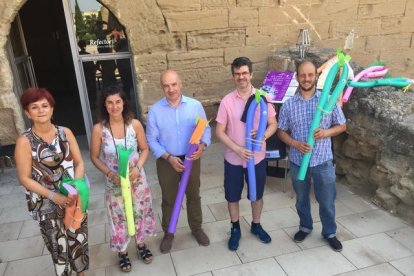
(377, 155)
(200, 38)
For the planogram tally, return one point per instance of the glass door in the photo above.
(21, 62)
(101, 54)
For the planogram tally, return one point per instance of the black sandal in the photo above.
(124, 262)
(145, 254)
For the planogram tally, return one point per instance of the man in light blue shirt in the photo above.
(170, 124)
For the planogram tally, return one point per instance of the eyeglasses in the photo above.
(242, 74)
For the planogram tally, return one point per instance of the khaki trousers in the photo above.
(169, 181)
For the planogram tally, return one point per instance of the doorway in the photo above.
(47, 41)
(74, 52)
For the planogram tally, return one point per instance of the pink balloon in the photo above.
(376, 74)
(370, 72)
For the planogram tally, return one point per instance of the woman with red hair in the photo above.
(45, 153)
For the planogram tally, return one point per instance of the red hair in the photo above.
(33, 94)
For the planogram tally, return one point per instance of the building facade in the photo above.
(131, 41)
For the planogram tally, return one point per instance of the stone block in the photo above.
(408, 183)
(180, 41)
(282, 15)
(363, 27)
(264, 3)
(243, 17)
(403, 194)
(386, 200)
(359, 150)
(218, 3)
(397, 24)
(333, 10)
(260, 66)
(343, 165)
(349, 149)
(358, 180)
(148, 43)
(365, 2)
(179, 4)
(243, 3)
(392, 41)
(401, 72)
(379, 176)
(267, 35)
(373, 10)
(409, 7)
(8, 133)
(216, 39)
(149, 88)
(403, 58)
(129, 11)
(300, 2)
(258, 77)
(197, 81)
(8, 11)
(406, 212)
(412, 41)
(146, 63)
(195, 59)
(255, 53)
(364, 58)
(278, 63)
(196, 20)
(395, 163)
(358, 46)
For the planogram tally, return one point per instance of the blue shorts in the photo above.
(234, 182)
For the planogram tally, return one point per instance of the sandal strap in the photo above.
(144, 252)
(124, 260)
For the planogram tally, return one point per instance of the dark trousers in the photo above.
(169, 181)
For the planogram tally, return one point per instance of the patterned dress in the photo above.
(141, 194)
(69, 250)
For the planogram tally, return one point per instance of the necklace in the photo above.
(52, 146)
(113, 139)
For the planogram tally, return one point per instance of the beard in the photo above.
(308, 89)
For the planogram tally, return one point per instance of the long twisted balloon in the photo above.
(325, 105)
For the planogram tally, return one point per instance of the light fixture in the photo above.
(304, 42)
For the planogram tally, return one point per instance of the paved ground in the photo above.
(375, 242)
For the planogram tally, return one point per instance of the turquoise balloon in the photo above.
(326, 104)
(398, 82)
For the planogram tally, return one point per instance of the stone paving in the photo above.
(375, 242)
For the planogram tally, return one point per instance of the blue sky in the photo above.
(87, 5)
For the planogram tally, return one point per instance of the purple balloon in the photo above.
(181, 189)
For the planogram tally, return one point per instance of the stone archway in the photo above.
(8, 98)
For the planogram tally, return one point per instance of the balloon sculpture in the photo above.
(371, 72)
(375, 72)
(201, 125)
(125, 155)
(255, 144)
(325, 105)
(77, 189)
